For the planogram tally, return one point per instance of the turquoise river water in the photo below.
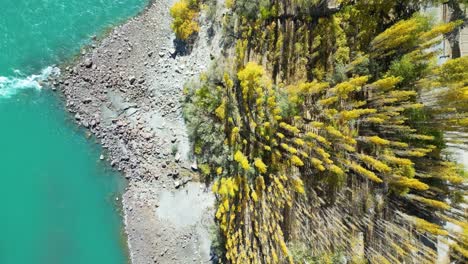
(58, 201)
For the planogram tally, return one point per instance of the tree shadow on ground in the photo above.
(183, 47)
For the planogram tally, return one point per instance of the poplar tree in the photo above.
(184, 14)
(315, 134)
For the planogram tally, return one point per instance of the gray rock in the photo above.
(147, 136)
(131, 79)
(88, 63)
(177, 184)
(194, 166)
(87, 100)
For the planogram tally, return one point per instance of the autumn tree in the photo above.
(185, 14)
(317, 136)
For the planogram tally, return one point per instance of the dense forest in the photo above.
(322, 129)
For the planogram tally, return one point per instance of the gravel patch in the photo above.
(126, 89)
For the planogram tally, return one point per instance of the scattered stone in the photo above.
(88, 63)
(99, 90)
(194, 166)
(177, 184)
(147, 136)
(131, 79)
(172, 51)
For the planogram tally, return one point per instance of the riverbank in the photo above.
(126, 89)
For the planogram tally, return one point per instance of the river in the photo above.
(60, 202)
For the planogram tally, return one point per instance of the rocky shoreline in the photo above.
(126, 89)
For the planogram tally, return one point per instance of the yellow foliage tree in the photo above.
(185, 14)
(297, 130)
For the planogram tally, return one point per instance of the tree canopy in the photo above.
(325, 133)
(185, 13)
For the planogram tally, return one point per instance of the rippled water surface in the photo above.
(57, 198)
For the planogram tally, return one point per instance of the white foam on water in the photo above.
(11, 85)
